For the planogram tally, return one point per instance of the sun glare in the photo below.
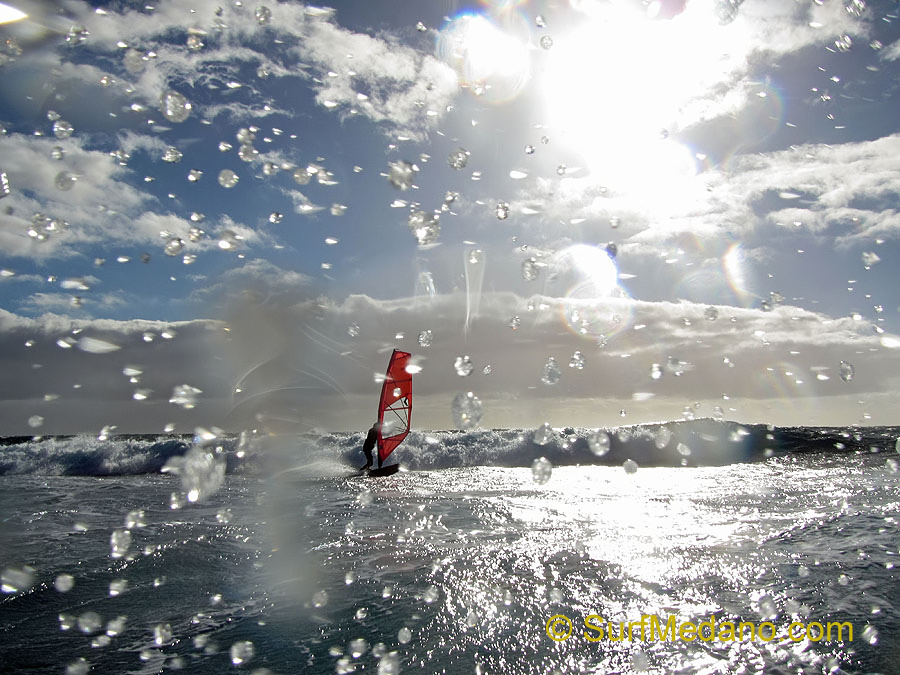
(615, 89)
(492, 60)
(9, 14)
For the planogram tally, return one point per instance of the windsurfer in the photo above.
(371, 440)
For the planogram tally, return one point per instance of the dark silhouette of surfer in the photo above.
(371, 440)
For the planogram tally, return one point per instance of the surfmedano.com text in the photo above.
(651, 628)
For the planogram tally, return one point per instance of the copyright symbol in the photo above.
(559, 628)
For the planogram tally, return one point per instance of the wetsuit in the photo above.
(371, 439)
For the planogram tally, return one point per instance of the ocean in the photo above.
(728, 548)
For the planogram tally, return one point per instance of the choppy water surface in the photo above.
(453, 570)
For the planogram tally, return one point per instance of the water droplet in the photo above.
(843, 43)
(320, 599)
(241, 652)
(353, 330)
(174, 106)
(16, 579)
(404, 635)
(515, 322)
(134, 518)
(539, 21)
(711, 314)
(546, 41)
(275, 217)
(561, 170)
(598, 442)
(531, 269)
(467, 410)
(683, 450)
(458, 159)
(194, 175)
(529, 149)
(62, 129)
(421, 27)
(425, 227)
(870, 634)
(247, 153)
(630, 466)
(64, 583)
(502, 211)
(117, 587)
(662, 437)
(119, 542)
(194, 42)
(543, 434)
(541, 469)
(400, 174)
(551, 372)
(577, 361)
(185, 396)
(463, 366)
(228, 240)
(431, 595)
(57, 153)
(172, 155)
(174, 246)
(263, 15)
(228, 178)
(425, 338)
(35, 421)
(847, 371)
(79, 666)
(870, 258)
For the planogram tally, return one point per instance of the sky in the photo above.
(226, 214)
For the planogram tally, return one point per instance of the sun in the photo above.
(615, 89)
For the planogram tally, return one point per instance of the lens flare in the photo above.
(586, 278)
(10, 14)
(492, 60)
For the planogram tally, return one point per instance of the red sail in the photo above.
(395, 405)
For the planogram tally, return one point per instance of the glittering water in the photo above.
(451, 570)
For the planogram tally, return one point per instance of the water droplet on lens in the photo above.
(577, 361)
(847, 371)
(539, 21)
(242, 651)
(404, 635)
(551, 372)
(425, 227)
(546, 41)
(425, 338)
(458, 159)
(228, 178)
(247, 153)
(463, 366)
(543, 434)
(541, 469)
(263, 15)
(65, 181)
(502, 211)
(598, 442)
(35, 421)
(529, 149)
(174, 246)
(400, 174)
(530, 269)
(630, 466)
(515, 322)
(172, 155)
(119, 541)
(421, 27)
(16, 579)
(467, 411)
(320, 599)
(62, 129)
(174, 106)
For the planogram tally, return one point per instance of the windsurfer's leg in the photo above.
(368, 457)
